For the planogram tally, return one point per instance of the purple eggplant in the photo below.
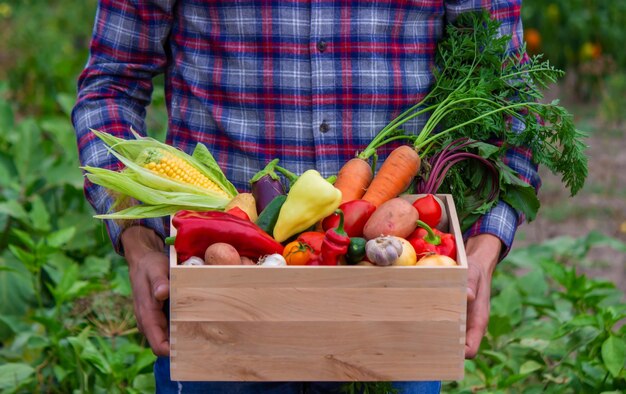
(266, 185)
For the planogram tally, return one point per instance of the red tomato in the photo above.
(429, 210)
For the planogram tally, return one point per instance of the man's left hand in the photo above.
(483, 252)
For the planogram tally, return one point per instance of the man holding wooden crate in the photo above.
(309, 82)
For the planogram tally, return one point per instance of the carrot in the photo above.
(394, 176)
(353, 179)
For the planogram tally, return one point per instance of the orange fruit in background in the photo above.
(590, 50)
(533, 39)
(597, 50)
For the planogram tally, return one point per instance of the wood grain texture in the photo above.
(334, 351)
(249, 323)
(317, 304)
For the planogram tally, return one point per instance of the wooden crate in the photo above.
(319, 323)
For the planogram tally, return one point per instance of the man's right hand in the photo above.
(148, 268)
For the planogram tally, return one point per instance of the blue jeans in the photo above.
(164, 385)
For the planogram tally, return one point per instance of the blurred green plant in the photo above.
(43, 49)
(583, 37)
(552, 329)
(66, 320)
(45, 44)
(572, 32)
(613, 100)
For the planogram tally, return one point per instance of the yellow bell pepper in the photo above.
(310, 199)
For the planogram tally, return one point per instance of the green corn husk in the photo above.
(201, 158)
(143, 211)
(159, 196)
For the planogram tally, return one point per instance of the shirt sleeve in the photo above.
(126, 52)
(502, 220)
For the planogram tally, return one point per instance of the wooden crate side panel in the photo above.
(317, 276)
(172, 249)
(325, 351)
(455, 229)
(318, 304)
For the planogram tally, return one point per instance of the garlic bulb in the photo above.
(193, 260)
(273, 260)
(383, 250)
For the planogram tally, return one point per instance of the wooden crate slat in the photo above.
(317, 304)
(275, 351)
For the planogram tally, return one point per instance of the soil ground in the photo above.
(600, 205)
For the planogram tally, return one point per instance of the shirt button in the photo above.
(324, 127)
(321, 45)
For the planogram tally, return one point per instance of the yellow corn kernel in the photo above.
(166, 164)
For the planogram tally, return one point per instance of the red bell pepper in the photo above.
(335, 244)
(196, 231)
(355, 215)
(426, 240)
(240, 213)
(312, 238)
(429, 210)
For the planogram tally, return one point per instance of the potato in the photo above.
(247, 261)
(221, 253)
(395, 217)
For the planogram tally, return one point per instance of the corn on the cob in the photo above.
(170, 166)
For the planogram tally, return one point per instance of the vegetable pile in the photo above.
(367, 216)
(309, 225)
(302, 232)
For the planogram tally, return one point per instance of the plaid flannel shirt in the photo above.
(307, 81)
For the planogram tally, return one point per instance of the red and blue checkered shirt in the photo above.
(307, 81)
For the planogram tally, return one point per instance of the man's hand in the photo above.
(148, 269)
(483, 252)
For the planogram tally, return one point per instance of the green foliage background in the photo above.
(66, 322)
(568, 26)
